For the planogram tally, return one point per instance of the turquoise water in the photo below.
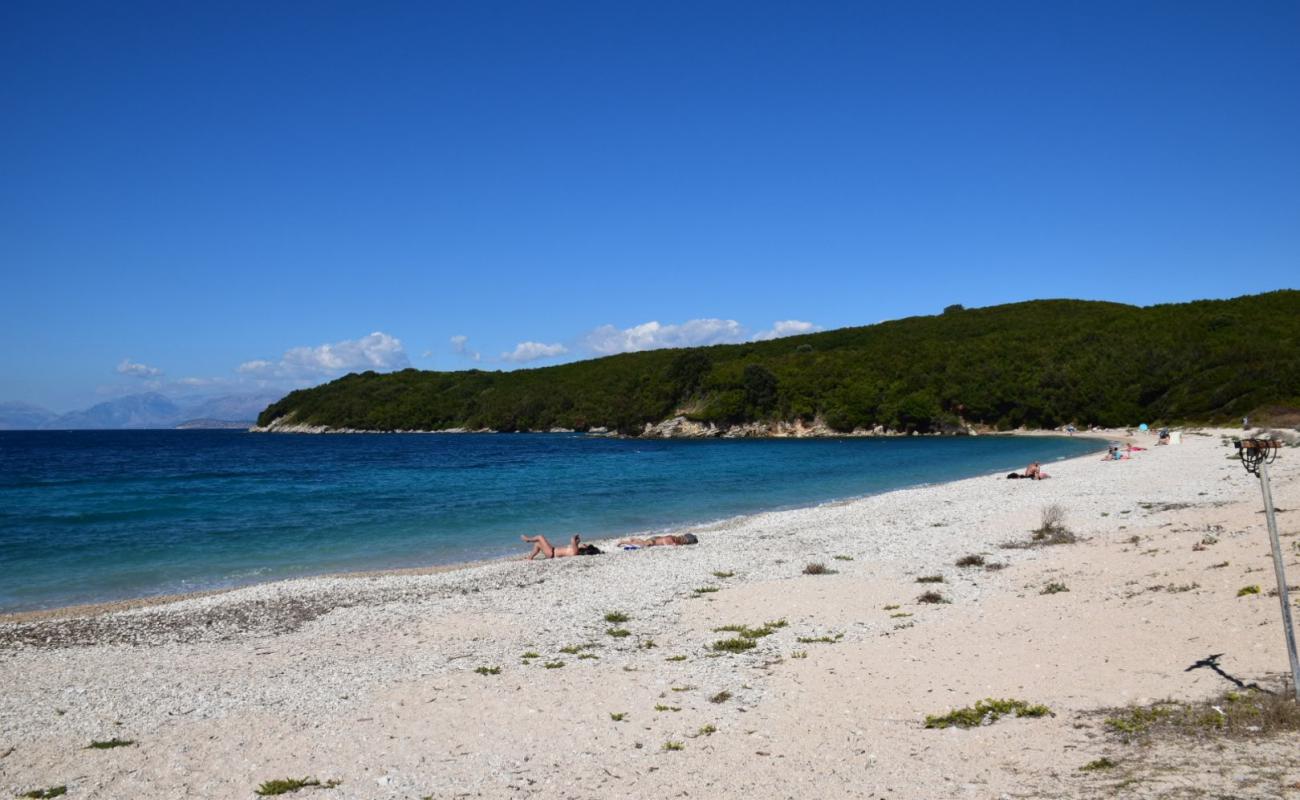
(87, 516)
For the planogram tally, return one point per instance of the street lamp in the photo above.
(1256, 455)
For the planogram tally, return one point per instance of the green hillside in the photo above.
(1041, 363)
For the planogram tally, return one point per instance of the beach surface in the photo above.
(505, 679)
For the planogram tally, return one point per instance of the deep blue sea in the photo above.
(87, 516)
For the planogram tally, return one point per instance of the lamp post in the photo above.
(1256, 455)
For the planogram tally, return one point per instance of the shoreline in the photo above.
(470, 681)
(608, 544)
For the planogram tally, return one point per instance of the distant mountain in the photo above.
(25, 416)
(214, 425)
(150, 410)
(231, 407)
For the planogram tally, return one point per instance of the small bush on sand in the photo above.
(985, 712)
(110, 744)
(817, 568)
(932, 597)
(1051, 530)
(53, 791)
(675, 658)
(820, 639)
(736, 645)
(930, 579)
(843, 558)
(615, 617)
(287, 785)
(724, 575)
(1099, 764)
(1054, 588)
(553, 664)
(1248, 590)
(674, 746)
(746, 632)
(721, 697)
(618, 717)
(618, 633)
(971, 560)
(707, 730)
(488, 670)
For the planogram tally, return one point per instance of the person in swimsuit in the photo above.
(671, 541)
(541, 545)
(1035, 472)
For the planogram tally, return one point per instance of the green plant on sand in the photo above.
(985, 712)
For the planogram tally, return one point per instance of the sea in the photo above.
(94, 516)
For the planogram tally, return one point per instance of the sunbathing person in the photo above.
(541, 545)
(1035, 472)
(654, 541)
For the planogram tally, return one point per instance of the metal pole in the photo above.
(1282, 594)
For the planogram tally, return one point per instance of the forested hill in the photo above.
(1041, 363)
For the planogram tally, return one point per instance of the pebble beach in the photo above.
(598, 676)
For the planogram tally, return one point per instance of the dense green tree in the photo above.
(1040, 363)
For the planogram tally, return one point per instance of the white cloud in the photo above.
(786, 327)
(460, 345)
(378, 351)
(137, 370)
(607, 340)
(531, 351)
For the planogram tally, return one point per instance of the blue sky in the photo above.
(212, 197)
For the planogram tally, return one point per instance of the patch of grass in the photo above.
(706, 590)
(647, 644)
(799, 654)
(892, 606)
(662, 707)
(53, 791)
(707, 730)
(900, 615)
(1219, 565)
(287, 785)
(1249, 712)
(820, 639)
(530, 654)
(985, 712)
(672, 746)
(736, 645)
(932, 597)
(553, 664)
(110, 744)
(1248, 590)
(746, 632)
(721, 697)
(615, 617)
(1055, 587)
(619, 716)
(930, 579)
(971, 560)
(686, 688)
(587, 656)
(571, 650)
(817, 568)
(1099, 764)
(842, 558)
(488, 670)
(994, 566)
(724, 575)
(618, 633)
(675, 658)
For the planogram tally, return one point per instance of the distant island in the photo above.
(1042, 364)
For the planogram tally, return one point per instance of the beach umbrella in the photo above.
(1142, 427)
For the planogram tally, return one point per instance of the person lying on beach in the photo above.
(1035, 472)
(541, 545)
(654, 541)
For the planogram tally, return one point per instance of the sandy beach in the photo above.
(504, 679)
